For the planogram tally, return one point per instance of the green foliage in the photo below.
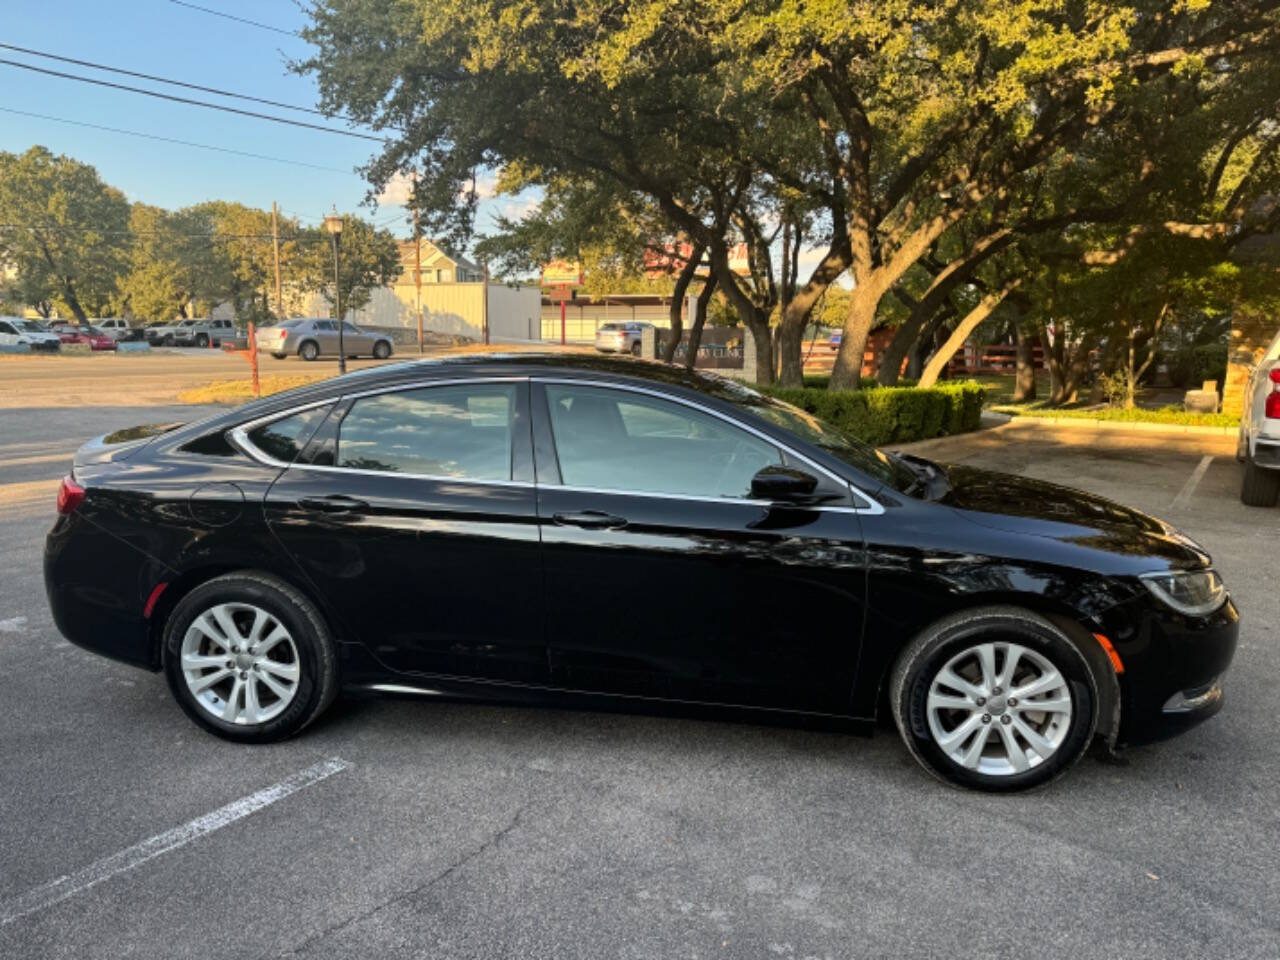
(368, 259)
(65, 233)
(881, 415)
(1192, 366)
(1169, 415)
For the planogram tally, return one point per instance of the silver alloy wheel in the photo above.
(240, 663)
(999, 709)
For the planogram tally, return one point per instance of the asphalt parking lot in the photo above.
(429, 829)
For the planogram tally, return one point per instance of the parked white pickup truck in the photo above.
(1260, 431)
(195, 332)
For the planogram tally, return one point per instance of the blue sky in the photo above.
(169, 40)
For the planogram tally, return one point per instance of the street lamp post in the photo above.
(333, 223)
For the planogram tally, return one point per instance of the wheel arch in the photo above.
(180, 586)
(303, 343)
(1080, 631)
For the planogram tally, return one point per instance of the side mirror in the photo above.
(783, 483)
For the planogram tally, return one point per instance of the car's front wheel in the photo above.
(249, 658)
(995, 699)
(202, 340)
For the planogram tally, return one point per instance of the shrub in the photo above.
(1191, 366)
(883, 415)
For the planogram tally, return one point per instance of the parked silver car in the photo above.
(311, 337)
(1260, 431)
(621, 337)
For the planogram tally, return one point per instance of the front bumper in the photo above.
(1174, 667)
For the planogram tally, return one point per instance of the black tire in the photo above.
(167, 341)
(278, 356)
(1261, 486)
(635, 349)
(927, 654)
(381, 350)
(308, 350)
(317, 659)
(202, 340)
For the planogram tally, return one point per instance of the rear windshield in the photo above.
(288, 324)
(613, 326)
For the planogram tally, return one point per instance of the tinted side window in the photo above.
(619, 440)
(455, 431)
(284, 439)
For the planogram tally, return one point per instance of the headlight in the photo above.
(1193, 592)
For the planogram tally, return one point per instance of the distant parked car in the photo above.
(1260, 431)
(86, 333)
(311, 337)
(15, 331)
(621, 337)
(117, 328)
(194, 332)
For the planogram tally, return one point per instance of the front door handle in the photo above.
(590, 519)
(333, 504)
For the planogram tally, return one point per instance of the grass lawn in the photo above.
(240, 391)
(1173, 415)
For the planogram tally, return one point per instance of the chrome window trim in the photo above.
(240, 436)
(872, 508)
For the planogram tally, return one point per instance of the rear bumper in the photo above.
(1175, 667)
(97, 587)
(1266, 453)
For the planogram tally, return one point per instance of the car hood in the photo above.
(1023, 505)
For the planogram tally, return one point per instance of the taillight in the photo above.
(1273, 405)
(1275, 375)
(70, 495)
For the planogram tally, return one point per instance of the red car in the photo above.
(85, 333)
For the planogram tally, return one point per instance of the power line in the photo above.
(231, 16)
(176, 83)
(188, 100)
(184, 143)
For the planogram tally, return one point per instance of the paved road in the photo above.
(131, 379)
(479, 831)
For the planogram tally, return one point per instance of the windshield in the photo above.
(827, 437)
(31, 326)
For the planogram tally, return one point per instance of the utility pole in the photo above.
(275, 243)
(417, 259)
(484, 304)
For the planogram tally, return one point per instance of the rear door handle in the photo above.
(590, 519)
(334, 504)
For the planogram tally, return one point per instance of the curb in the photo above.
(1121, 426)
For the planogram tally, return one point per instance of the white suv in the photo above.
(1260, 431)
(195, 332)
(19, 332)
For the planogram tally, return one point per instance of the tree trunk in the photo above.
(798, 309)
(753, 318)
(677, 301)
(69, 294)
(863, 302)
(699, 321)
(962, 332)
(1024, 376)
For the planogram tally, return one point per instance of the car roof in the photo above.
(474, 365)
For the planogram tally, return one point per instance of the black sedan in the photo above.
(620, 533)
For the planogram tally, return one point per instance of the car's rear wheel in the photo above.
(381, 350)
(1261, 486)
(278, 356)
(249, 658)
(635, 349)
(995, 699)
(309, 350)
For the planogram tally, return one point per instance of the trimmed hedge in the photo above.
(883, 415)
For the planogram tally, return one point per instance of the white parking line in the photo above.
(1193, 481)
(140, 853)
